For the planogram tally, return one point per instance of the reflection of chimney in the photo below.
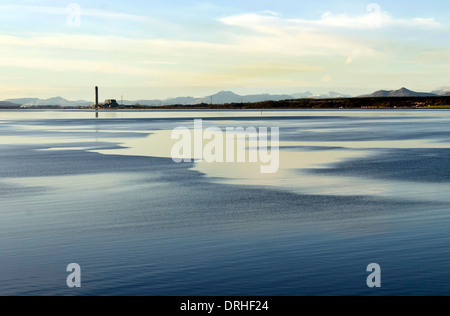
(96, 97)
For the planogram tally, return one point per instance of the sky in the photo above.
(160, 49)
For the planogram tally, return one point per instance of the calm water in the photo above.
(354, 188)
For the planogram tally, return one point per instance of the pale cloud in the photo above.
(281, 37)
(327, 78)
(370, 20)
(275, 24)
(351, 57)
(247, 47)
(111, 44)
(22, 90)
(62, 65)
(327, 36)
(251, 72)
(163, 62)
(442, 55)
(103, 14)
(243, 61)
(276, 39)
(254, 50)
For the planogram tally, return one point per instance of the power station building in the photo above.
(110, 103)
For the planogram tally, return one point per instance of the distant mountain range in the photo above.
(333, 95)
(403, 92)
(444, 91)
(8, 104)
(223, 97)
(58, 101)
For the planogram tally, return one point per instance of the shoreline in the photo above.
(388, 103)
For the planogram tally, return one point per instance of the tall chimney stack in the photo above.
(96, 97)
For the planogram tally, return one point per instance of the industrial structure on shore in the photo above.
(110, 103)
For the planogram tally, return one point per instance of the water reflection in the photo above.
(101, 190)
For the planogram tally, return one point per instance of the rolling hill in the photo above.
(5, 104)
(58, 101)
(224, 97)
(401, 93)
